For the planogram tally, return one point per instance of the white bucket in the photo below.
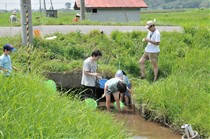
(193, 137)
(189, 133)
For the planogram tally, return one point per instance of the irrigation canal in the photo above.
(139, 127)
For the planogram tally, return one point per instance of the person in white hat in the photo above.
(152, 49)
(77, 17)
(13, 17)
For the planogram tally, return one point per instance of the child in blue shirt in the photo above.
(5, 61)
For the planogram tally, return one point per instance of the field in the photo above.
(181, 94)
(163, 17)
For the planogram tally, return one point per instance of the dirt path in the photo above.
(50, 29)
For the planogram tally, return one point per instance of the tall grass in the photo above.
(29, 109)
(183, 95)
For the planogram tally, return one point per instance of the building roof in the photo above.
(111, 4)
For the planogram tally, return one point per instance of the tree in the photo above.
(68, 5)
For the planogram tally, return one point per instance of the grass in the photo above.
(163, 17)
(29, 109)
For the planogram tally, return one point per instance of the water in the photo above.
(142, 129)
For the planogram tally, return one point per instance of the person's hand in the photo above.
(146, 40)
(99, 77)
(103, 95)
(95, 74)
(6, 70)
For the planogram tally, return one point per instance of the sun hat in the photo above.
(119, 74)
(149, 23)
(14, 12)
(9, 47)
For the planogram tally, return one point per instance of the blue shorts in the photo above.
(127, 92)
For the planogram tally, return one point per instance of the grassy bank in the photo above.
(30, 109)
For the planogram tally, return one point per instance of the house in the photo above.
(112, 10)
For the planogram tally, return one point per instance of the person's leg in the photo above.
(154, 60)
(126, 100)
(116, 97)
(141, 63)
(127, 95)
(155, 66)
(108, 102)
(121, 97)
(88, 92)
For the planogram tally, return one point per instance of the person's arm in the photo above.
(153, 42)
(93, 74)
(5, 70)
(14, 68)
(105, 88)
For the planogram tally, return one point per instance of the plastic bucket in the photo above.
(102, 83)
(121, 105)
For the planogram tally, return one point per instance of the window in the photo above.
(94, 10)
(88, 10)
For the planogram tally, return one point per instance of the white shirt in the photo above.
(154, 36)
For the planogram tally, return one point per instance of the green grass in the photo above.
(29, 109)
(163, 17)
(189, 17)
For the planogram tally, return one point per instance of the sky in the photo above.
(15, 4)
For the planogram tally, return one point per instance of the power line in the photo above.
(33, 3)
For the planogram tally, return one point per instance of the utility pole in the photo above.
(26, 25)
(6, 7)
(40, 7)
(82, 9)
(51, 5)
(45, 9)
(26, 21)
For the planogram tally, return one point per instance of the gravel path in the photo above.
(50, 29)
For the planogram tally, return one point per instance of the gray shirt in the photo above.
(90, 66)
(13, 18)
(112, 85)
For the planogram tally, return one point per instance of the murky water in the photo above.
(142, 129)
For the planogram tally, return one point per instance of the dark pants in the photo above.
(88, 92)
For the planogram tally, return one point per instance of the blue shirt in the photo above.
(5, 62)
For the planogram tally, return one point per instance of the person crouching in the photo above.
(114, 86)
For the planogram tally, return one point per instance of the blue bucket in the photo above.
(102, 83)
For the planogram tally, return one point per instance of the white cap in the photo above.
(77, 14)
(14, 12)
(119, 74)
(149, 23)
